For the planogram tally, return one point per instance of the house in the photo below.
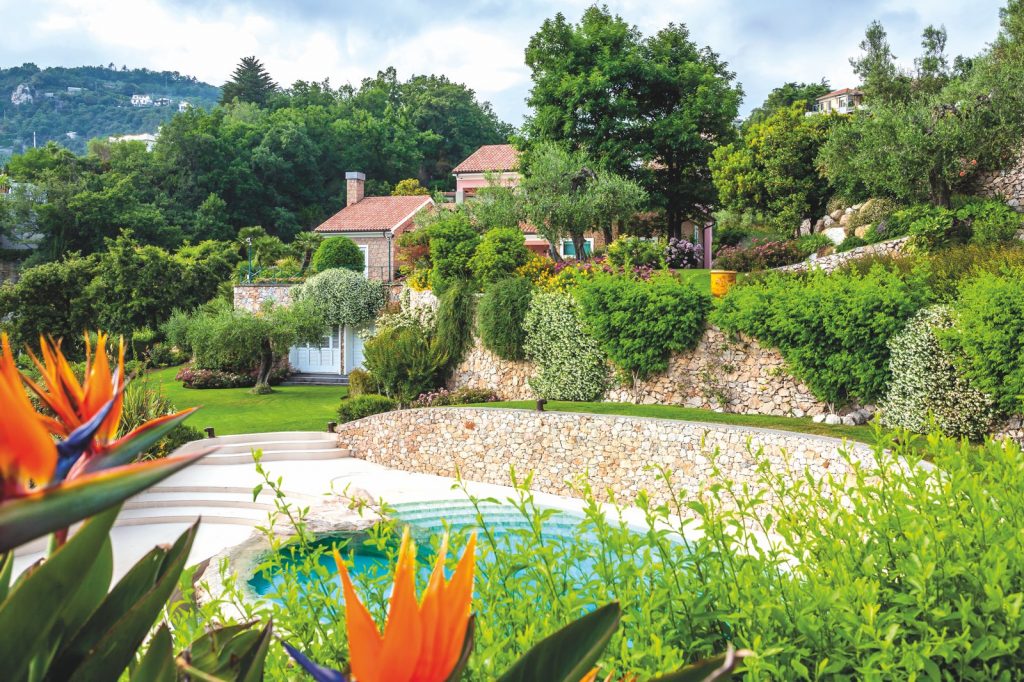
(161, 101)
(373, 223)
(499, 163)
(844, 101)
(142, 101)
(183, 106)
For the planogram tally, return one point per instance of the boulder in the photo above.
(805, 227)
(836, 214)
(853, 419)
(836, 234)
(845, 219)
(833, 419)
(819, 418)
(819, 225)
(827, 222)
(861, 231)
(849, 211)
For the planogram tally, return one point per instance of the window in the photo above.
(569, 251)
(366, 260)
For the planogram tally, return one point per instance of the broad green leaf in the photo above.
(36, 602)
(26, 518)
(250, 666)
(710, 669)
(570, 653)
(6, 569)
(158, 663)
(208, 651)
(114, 651)
(89, 594)
(141, 440)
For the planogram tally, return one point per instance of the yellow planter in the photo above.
(722, 281)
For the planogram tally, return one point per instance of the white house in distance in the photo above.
(142, 101)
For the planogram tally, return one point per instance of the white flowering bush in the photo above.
(926, 384)
(570, 363)
(343, 297)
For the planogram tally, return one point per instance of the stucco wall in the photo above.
(252, 296)
(611, 452)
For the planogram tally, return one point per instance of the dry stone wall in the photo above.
(832, 262)
(1006, 184)
(610, 452)
(251, 297)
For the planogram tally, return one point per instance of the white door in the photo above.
(322, 358)
(354, 347)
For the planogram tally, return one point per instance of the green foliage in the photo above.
(832, 329)
(249, 82)
(851, 242)
(631, 252)
(784, 97)
(570, 363)
(143, 401)
(988, 337)
(453, 325)
(364, 405)
(933, 227)
(453, 241)
(500, 253)
(873, 211)
(338, 252)
(500, 315)
(360, 382)
(409, 187)
(342, 297)
(640, 324)
(991, 221)
(401, 362)
(927, 386)
(813, 243)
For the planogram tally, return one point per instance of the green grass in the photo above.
(863, 434)
(236, 410)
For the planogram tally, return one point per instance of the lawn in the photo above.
(236, 410)
(864, 434)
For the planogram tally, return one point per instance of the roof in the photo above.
(843, 91)
(374, 214)
(490, 157)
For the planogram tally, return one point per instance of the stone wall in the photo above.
(610, 452)
(719, 374)
(251, 297)
(1006, 184)
(1012, 429)
(893, 247)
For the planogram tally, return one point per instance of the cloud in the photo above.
(479, 43)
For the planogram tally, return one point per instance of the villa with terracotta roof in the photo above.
(842, 101)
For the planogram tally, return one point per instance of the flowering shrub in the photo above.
(538, 270)
(926, 384)
(192, 377)
(760, 256)
(343, 297)
(629, 252)
(461, 396)
(570, 363)
(681, 253)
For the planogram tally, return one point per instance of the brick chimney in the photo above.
(355, 187)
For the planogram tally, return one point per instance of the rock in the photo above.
(819, 418)
(861, 231)
(827, 223)
(819, 225)
(836, 234)
(849, 211)
(853, 419)
(836, 214)
(805, 227)
(833, 419)
(845, 220)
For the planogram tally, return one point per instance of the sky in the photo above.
(476, 42)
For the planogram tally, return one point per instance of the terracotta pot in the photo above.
(722, 281)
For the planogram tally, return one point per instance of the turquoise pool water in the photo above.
(426, 520)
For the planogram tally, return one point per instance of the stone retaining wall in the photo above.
(610, 452)
(893, 247)
(719, 374)
(1006, 184)
(251, 297)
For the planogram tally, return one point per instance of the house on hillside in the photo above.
(142, 101)
(843, 101)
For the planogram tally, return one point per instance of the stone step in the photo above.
(218, 457)
(245, 448)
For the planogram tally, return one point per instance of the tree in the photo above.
(784, 96)
(211, 221)
(453, 242)
(249, 82)
(881, 79)
(932, 67)
(652, 109)
(496, 205)
(339, 252)
(409, 187)
(343, 297)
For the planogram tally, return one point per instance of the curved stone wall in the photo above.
(610, 452)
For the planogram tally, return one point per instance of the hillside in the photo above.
(73, 105)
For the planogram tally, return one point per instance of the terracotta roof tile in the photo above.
(374, 214)
(490, 157)
(842, 91)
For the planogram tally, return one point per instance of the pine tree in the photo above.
(250, 82)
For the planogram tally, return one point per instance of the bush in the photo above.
(681, 253)
(338, 252)
(500, 253)
(539, 269)
(143, 401)
(343, 297)
(361, 382)
(569, 361)
(633, 252)
(988, 338)
(500, 316)
(813, 243)
(198, 378)
(933, 227)
(442, 397)
(164, 355)
(832, 329)
(990, 221)
(873, 212)
(850, 243)
(401, 362)
(357, 407)
(639, 324)
(453, 242)
(758, 257)
(926, 384)
(453, 325)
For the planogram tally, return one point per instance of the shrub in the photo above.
(681, 253)
(631, 252)
(990, 221)
(453, 242)
(539, 270)
(813, 243)
(759, 256)
(338, 252)
(461, 396)
(850, 243)
(932, 227)
(500, 315)
(926, 385)
(357, 407)
(948, 268)
(988, 338)
(401, 362)
(639, 324)
(198, 378)
(453, 325)
(343, 297)
(500, 253)
(361, 382)
(569, 361)
(164, 355)
(873, 212)
(832, 329)
(143, 401)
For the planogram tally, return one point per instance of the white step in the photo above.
(214, 491)
(191, 513)
(271, 437)
(219, 457)
(247, 448)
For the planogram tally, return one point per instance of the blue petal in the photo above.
(71, 448)
(319, 672)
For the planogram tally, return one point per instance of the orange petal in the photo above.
(364, 642)
(590, 677)
(431, 612)
(458, 599)
(108, 431)
(27, 452)
(403, 633)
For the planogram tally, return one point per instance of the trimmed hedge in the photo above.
(364, 405)
(338, 252)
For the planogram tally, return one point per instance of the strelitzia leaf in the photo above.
(6, 570)
(26, 518)
(158, 663)
(250, 664)
(318, 672)
(710, 669)
(125, 450)
(567, 655)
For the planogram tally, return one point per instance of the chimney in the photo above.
(355, 187)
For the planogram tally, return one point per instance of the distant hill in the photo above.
(72, 105)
